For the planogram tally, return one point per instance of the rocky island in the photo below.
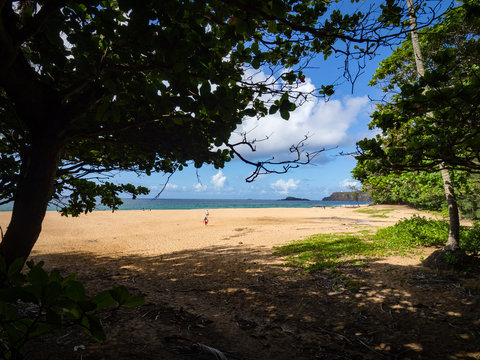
(291, 198)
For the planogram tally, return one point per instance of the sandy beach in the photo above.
(221, 286)
(159, 232)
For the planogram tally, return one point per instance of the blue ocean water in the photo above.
(183, 204)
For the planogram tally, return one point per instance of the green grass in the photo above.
(330, 251)
(381, 213)
(324, 251)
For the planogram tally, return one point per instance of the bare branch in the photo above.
(164, 185)
(275, 167)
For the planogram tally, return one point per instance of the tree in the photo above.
(356, 191)
(91, 87)
(453, 242)
(420, 123)
(417, 189)
(421, 189)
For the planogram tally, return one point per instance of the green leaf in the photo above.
(250, 112)
(273, 109)
(37, 276)
(51, 293)
(134, 301)
(205, 89)
(285, 114)
(75, 291)
(119, 294)
(104, 300)
(256, 63)
(73, 310)
(93, 326)
(15, 267)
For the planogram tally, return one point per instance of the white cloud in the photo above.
(283, 187)
(218, 180)
(199, 187)
(345, 184)
(327, 124)
(171, 186)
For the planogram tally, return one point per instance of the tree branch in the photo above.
(164, 185)
(368, 34)
(268, 166)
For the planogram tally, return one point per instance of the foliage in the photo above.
(421, 189)
(37, 303)
(330, 251)
(356, 192)
(419, 231)
(418, 189)
(322, 251)
(470, 242)
(91, 88)
(469, 196)
(375, 212)
(416, 231)
(150, 86)
(419, 124)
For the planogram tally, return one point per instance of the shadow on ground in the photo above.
(239, 301)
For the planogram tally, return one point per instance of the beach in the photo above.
(160, 232)
(222, 287)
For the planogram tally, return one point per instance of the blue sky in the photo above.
(338, 123)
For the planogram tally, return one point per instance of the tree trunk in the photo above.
(454, 232)
(33, 194)
(453, 242)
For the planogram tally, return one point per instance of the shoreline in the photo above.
(187, 204)
(160, 232)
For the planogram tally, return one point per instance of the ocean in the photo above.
(181, 204)
(184, 204)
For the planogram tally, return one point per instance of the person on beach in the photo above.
(205, 220)
(206, 213)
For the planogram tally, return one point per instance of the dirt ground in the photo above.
(233, 301)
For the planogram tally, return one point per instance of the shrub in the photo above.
(416, 231)
(36, 303)
(470, 238)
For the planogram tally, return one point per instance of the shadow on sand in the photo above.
(240, 301)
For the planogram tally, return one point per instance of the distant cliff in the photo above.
(347, 196)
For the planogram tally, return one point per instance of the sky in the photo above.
(336, 125)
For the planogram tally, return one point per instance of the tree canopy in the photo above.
(419, 124)
(92, 87)
(434, 119)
